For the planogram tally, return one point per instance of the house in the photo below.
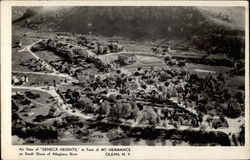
(127, 58)
(54, 112)
(17, 44)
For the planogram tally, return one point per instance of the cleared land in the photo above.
(39, 79)
(18, 58)
(48, 56)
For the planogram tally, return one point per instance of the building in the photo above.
(54, 112)
(127, 58)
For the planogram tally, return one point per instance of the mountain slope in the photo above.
(213, 29)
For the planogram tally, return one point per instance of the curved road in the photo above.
(234, 124)
(56, 96)
(44, 63)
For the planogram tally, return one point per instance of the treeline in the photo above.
(140, 23)
(25, 129)
(157, 23)
(134, 22)
(230, 45)
(29, 12)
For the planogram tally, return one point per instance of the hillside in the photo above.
(213, 29)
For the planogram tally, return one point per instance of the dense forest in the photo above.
(144, 23)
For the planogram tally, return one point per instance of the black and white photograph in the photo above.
(128, 75)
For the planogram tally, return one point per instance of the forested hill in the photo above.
(205, 27)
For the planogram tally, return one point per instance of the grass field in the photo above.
(148, 59)
(28, 36)
(40, 79)
(216, 69)
(47, 55)
(19, 57)
(44, 78)
(19, 37)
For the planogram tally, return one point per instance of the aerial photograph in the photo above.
(128, 75)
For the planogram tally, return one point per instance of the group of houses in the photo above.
(75, 57)
(111, 47)
(19, 79)
(37, 65)
(127, 58)
(147, 93)
(24, 105)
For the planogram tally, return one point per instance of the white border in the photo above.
(138, 152)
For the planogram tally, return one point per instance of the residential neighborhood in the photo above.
(88, 89)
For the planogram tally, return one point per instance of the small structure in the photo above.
(127, 58)
(18, 44)
(54, 112)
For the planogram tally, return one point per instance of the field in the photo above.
(19, 57)
(44, 78)
(27, 36)
(216, 69)
(142, 60)
(41, 79)
(48, 56)
(148, 59)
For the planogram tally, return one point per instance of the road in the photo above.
(234, 124)
(44, 73)
(51, 91)
(44, 63)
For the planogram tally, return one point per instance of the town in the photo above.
(88, 88)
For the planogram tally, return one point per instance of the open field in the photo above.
(44, 79)
(28, 36)
(142, 60)
(48, 56)
(216, 69)
(19, 57)
(19, 37)
(148, 59)
(41, 79)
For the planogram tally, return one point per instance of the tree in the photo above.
(112, 97)
(39, 118)
(222, 77)
(126, 110)
(115, 111)
(105, 108)
(135, 113)
(149, 115)
(227, 93)
(86, 105)
(29, 12)
(240, 96)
